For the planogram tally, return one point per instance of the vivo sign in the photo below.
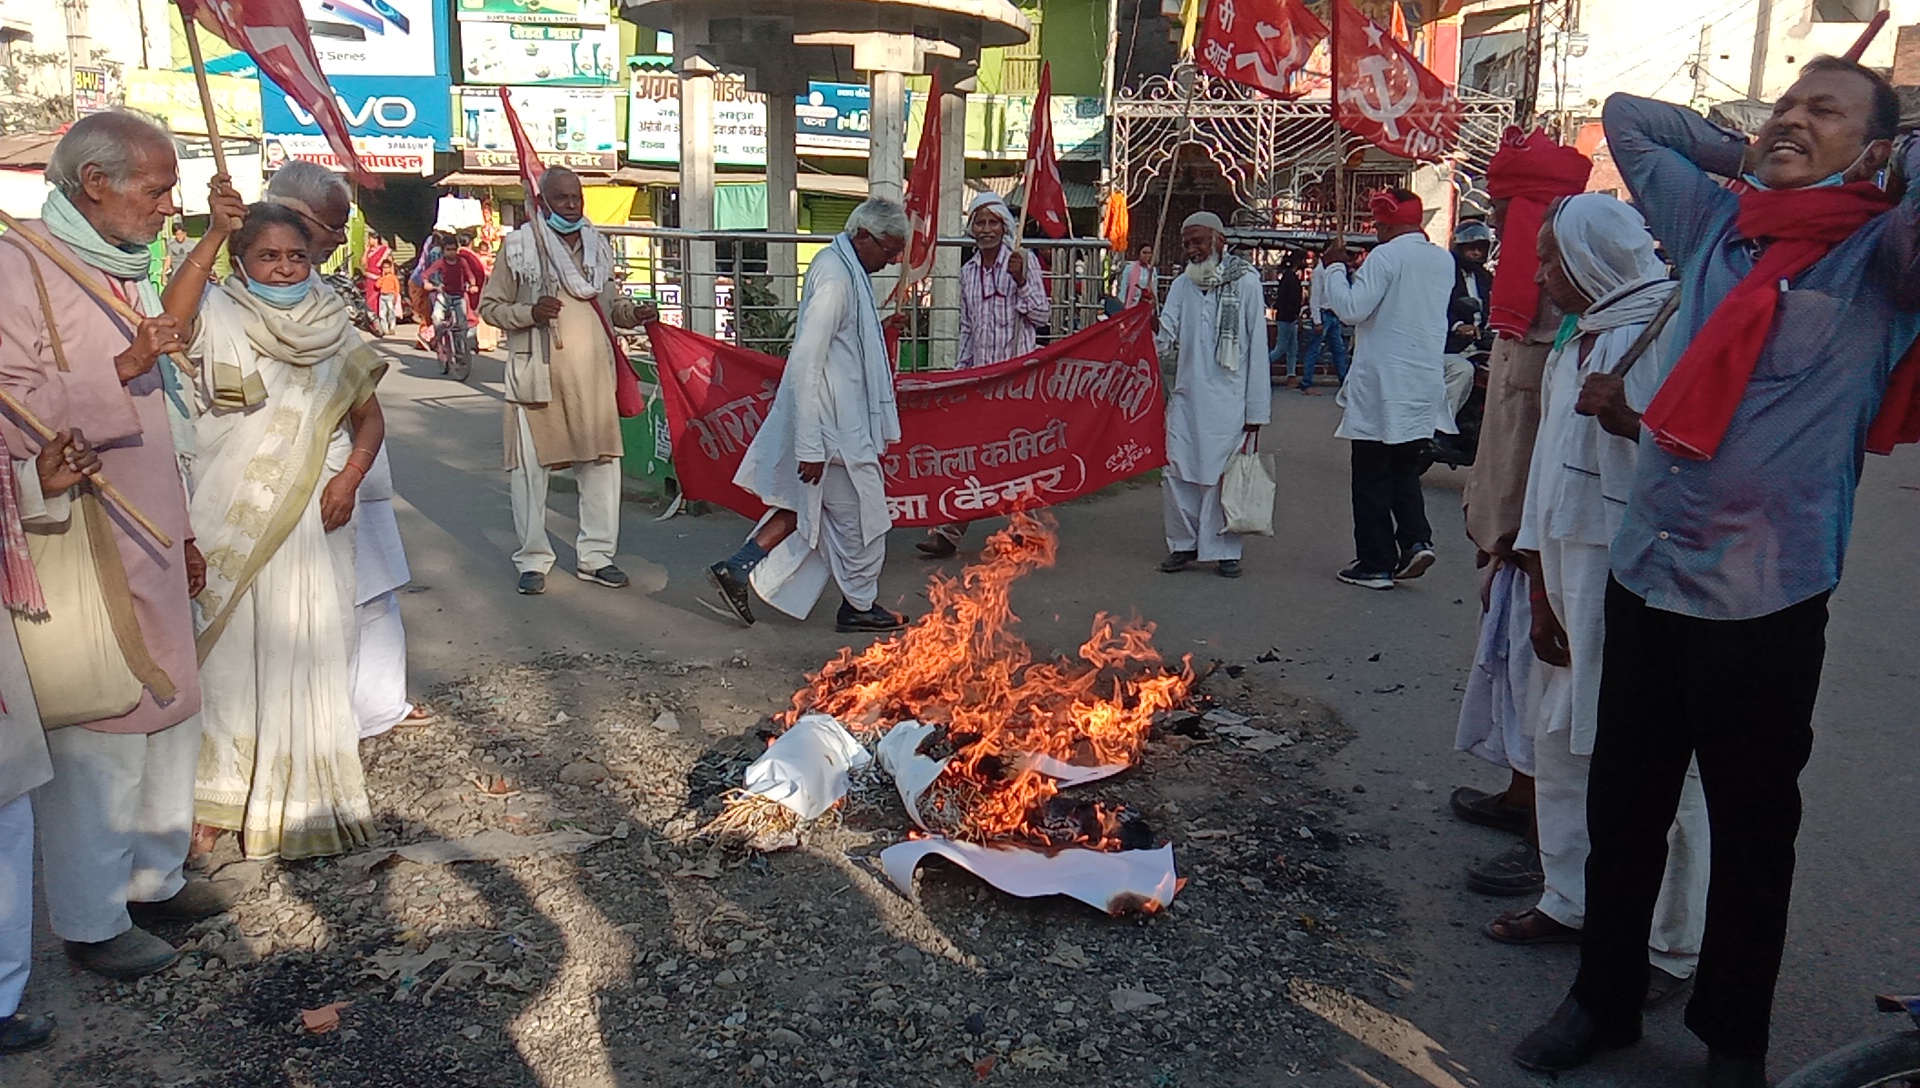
(410, 106)
(384, 112)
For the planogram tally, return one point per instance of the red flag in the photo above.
(1261, 43)
(1399, 26)
(274, 34)
(923, 198)
(1384, 96)
(531, 166)
(1046, 195)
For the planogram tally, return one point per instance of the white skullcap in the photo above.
(1205, 219)
(994, 201)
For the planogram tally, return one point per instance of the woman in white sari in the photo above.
(288, 426)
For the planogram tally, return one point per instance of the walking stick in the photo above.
(100, 482)
(1647, 335)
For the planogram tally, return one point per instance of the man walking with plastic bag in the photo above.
(1216, 315)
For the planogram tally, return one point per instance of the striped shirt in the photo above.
(998, 319)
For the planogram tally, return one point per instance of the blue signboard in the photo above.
(411, 106)
(834, 116)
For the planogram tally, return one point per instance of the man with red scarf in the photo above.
(1799, 303)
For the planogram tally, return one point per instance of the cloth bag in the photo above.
(1247, 493)
(74, 654)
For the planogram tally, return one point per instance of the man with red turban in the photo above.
(1527, 174)
(1395, 393)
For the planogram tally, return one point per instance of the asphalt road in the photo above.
(1391, 663)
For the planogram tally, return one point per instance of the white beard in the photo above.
(1205, 273)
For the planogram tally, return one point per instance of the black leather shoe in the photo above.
(733, 591)
(1175, 562)
(1490, 810)
(1516, 872)
(20, 1033)
(1725, 1072)
(873, 620)
(1568, 1040)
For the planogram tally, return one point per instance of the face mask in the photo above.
(279, 296)
(1831, 181)
(564, 225)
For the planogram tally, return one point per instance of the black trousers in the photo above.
(1737, 694)
(1389, 512)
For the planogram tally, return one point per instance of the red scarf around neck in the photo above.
(1695, 405)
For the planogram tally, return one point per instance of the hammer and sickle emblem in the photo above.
(1375, 98)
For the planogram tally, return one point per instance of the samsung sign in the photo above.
(413, 106)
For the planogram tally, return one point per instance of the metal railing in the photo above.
(751, 295)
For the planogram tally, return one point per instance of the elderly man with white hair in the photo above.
(379, 558)
(115, 821)
(1216, 315)
(816, 459)
(1003, 303)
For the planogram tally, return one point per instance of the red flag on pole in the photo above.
(1046, 195)
(531, 166)
(274, 34)
(1399, 25)
(1261, 43)
(923, 199)
(1384, 95)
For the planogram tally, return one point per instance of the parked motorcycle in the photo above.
(1459, 450)
(355, 299)
(1891, 1061)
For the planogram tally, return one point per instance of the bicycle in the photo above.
(454, 341)
(1891, 1061)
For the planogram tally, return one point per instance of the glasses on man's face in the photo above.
(326, 228)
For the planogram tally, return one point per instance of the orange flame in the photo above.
(962, 666)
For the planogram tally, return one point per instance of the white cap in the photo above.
(1205, 219)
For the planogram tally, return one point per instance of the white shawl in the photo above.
(883, 417)
(549, 249)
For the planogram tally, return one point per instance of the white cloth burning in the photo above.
(1118, 882)
(809, 768)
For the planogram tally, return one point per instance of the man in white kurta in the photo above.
(816, 458)
(1598, 262)
(23, 765)
(1395, 395)
(1216, 316)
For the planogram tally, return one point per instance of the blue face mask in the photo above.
(284, 297)
(564, 225)
(1831, 181)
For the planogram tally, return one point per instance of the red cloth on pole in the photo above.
(1263, 44)
(274, 33)
(1696, 404)
(923, 198)
(1384, 95)
(1529, 171)
(1046, 196)
(1057, 423)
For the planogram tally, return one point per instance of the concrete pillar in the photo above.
(696, 191)
(953, 202)
(783, 198)
(886, 161)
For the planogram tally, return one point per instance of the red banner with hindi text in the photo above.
(1061, 422)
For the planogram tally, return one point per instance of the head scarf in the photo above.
(1529, 171)
(1390, 210)
(993, 202)
(1609, 256)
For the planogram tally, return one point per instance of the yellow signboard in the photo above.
(175, 101)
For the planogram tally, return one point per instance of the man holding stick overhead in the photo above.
(114, 822)
(1799, 303)
(553, 292)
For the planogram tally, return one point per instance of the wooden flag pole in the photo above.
(1872, 31)
(99, 481)
(206, 92)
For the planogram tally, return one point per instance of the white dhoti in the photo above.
(380, 666)
(114, 824)
(792, 575)
(1459, 377)
(599, 485)
(16, 901)
(1195, 519)
(1503, 692)
(1576, 578)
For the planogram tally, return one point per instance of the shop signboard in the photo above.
(92, 90)
(831, 118)
(390, 107)
(381, 154)
(564, 12)
(377, 37)
(569, 127)
(519, 54)
(173, 98)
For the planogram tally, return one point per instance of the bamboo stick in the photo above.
(99, 481)
(206, 92)
(88, 282)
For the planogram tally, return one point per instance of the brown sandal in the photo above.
(1529, 926)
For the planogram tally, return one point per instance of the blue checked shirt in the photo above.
(1764, 523)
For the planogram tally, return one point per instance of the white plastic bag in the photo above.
(1246, 493)
(807, 768)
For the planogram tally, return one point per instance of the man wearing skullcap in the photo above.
(1497, 713)
(1395, 395)
(1216, 315)
(1003, 303)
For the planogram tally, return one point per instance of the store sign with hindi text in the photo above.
(569, 126)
